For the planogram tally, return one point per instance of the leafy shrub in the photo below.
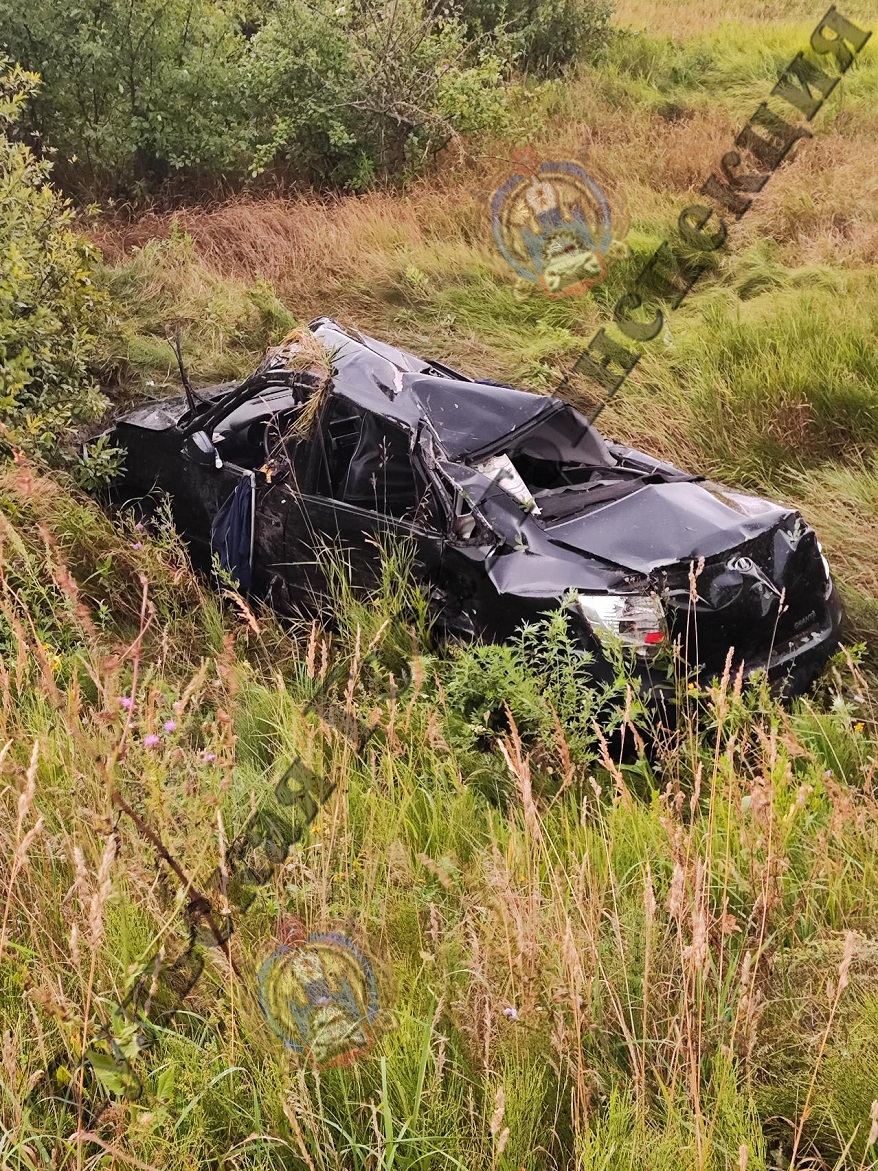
(542, 35)
(541, 677)
(345, 94)
(131, 91)
(484, 682)
(51, 311)
(336, 94)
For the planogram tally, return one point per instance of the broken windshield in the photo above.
(551, 465)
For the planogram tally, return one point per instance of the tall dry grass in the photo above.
(599, 971)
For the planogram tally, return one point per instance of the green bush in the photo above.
(131, 91)
(541, 676)
(50, 309)
(350, 93)
(133, 95)
(541, 35)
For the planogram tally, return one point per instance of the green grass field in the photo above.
(582, 964)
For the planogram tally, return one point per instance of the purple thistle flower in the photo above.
(137, 545)
(151, 740)
(210, 757)
(127, 702)
(169, 726)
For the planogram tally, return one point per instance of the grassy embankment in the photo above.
(582, 966)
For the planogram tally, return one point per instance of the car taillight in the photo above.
(635, 620)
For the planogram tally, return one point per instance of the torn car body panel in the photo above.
(513, 502)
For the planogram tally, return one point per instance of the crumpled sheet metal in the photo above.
(654, 516)
(663, 523)
(742, 583)
(468, 417)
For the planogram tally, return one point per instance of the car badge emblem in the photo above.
(319, 995)
(552, 225)
(742, 564)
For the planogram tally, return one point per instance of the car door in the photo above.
(282, 550)
(197, 490)
(201, 488)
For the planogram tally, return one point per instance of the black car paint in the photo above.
(731, 570)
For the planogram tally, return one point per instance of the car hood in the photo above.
(670, 520)
(664, 524)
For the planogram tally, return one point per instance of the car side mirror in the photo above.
(201, 449)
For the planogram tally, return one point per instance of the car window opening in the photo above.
(548, 488)
(369, 466)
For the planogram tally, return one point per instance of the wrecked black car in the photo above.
(513, 503)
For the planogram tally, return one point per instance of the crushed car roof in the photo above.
(468, 417)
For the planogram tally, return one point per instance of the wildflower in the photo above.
(510, 1013)
(209, 757)
(127, 702)
(170, 726)
(151, 740)
(137, 545)
(858, 726)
